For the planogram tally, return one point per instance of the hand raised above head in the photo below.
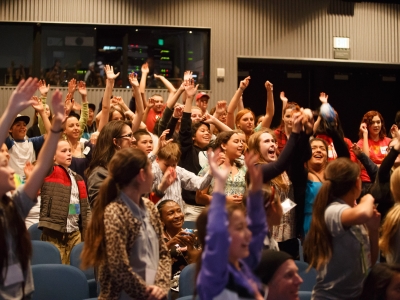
(133, 80)
(244, 83)
(43, 89)
(323, 97)
(21, 97)
(109, 70)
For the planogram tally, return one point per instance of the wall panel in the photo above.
(254, 28)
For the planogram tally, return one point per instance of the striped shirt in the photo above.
(184, 180)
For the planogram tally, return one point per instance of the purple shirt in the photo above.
(216, 272)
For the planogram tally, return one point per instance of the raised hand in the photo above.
(57, 105)
(162, 142)
(109, 70)
(220, 174)
(157, 76)
(133, 80)
(21, 97)
(190, 88)
(207, 118)
(244, 83)
(69, 104)
(323, 97)
(168, 178)
(256, 178)
(72, 86)
(187, 75)
(150, 103)
(394, 131)
(297, 122)
(221, 158)
(269, 86)
(283, 97)
(145, 68)
(37, 104)
(82, 88)
(356, 149)
(178, 111)
(220, 109)
(363, 128)
(43, 89)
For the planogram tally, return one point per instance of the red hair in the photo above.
(367, 119)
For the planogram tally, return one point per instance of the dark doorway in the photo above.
(353, 87)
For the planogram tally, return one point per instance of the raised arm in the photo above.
(213, 121)
(284, 102)
(139, 104)
(20, 99)
(85, 106)
(213, 275)
(256, 218)
(387, 163)
(43, 89)
(270, 108)
(324, 99)
(45, 159)
(106, 103)
(167, 83)
(145, 71)
(365, 146)
(230, 118)
(38, 106)
(273, 169)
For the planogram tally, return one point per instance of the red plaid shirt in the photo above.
(281, 138)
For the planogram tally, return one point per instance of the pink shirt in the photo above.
(377, 152)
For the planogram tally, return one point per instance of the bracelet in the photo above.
(56, 131)
(241, 89)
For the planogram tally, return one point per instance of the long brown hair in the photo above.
(15, 225)
(290, 105)
(254, 145)
(122, 169)
(340, 177)
(105, 148)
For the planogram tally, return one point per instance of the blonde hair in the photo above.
(394, 184)
(391, 224)
(389, 230)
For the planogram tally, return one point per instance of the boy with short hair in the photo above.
(21, 148)
(169, 179)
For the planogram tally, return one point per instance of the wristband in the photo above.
(56, 131)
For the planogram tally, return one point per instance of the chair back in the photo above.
(35, 232)
(309, 277)
(305, 295)
(45, 253)
(187, 279)
(75, 260)
(61, 282)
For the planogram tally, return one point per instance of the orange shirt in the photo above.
(377, 152)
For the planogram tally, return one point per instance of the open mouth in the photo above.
(318, 156)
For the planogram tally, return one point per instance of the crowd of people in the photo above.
(125, 178)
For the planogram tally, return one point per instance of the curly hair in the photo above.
(367, 119)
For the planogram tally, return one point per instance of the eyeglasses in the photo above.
(126, 136)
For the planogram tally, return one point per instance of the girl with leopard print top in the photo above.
(125, 236)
